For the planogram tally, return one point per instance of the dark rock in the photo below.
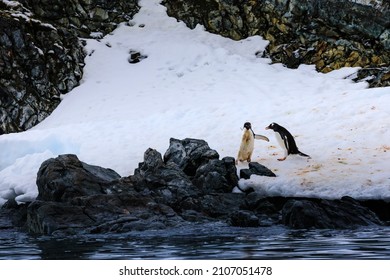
(220, 205)
(167, 182)
(231, 171)
(66, 177)
(212, 177)
(38, 63)
(49, 217)
(245, 173)
(202, 164)
(380, 207)
(335, 214)
(262, 205)
(100, 213)
(261, 170)
(244, 218)
(257, 169)
(84, 17)
(189, 154)
(136, 57)
(376, 77)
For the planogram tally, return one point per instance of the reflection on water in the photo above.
(213, 241)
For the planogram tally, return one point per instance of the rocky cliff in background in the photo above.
(88, 18)
(41, 56)
(329, 34)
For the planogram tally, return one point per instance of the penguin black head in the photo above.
(247, 125)
(273, 126)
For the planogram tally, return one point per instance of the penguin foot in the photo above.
(282, 159)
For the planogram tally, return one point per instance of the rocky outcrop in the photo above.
(329, 34)
(77, 197)
(88, 18)
(41, 56)
(190, 184)
(38, 63)
(337, 214)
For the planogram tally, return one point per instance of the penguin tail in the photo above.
(304, 155)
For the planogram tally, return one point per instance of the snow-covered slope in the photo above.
(199, 85)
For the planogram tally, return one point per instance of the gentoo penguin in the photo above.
(286, 141)
(248, 143)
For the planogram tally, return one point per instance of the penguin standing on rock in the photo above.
(248, 143)
(286, 141)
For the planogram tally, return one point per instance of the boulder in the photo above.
(202, 164)
(243, 218)
(66, 177)
(334, 214)
(256, 169)
(188, 154)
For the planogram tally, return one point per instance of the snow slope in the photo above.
(199, 85)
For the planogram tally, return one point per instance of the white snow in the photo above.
(199, 85)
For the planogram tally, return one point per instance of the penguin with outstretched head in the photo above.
(248, 143)
(286, 141)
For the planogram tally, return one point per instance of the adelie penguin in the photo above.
(248, 143)
(286, 141)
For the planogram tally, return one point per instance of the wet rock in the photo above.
(334, 214)
(244, 218)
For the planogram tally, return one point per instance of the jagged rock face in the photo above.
(330, 34)
(41, 56)
(37, 63)
(75, 196)
(89, 18)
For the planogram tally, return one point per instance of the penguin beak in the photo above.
(267, 127)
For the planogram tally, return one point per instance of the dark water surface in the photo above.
(212, 241)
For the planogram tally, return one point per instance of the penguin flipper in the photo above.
(261, 137)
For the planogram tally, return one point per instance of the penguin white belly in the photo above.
(246, 147)
(281, 143)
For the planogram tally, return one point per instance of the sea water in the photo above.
(210, 241)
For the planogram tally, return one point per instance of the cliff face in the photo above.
(330, 34)
(41, 56)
